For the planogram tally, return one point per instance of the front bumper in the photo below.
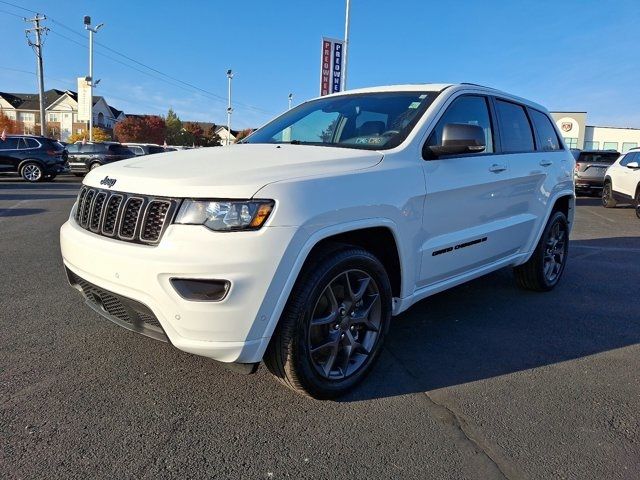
(231, 330)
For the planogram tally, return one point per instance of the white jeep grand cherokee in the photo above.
(297, 246)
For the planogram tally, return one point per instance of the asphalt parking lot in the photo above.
(484, 381)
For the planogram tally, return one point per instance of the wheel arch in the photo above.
(30, 160)
(339, 234)
(564, 202)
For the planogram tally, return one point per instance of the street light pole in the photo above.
(92, 30)
(229, 109)
(290, 100)
(345, 52)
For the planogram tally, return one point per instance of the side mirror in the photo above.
(459, 138)
(633, 165)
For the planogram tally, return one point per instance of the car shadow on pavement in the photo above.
(489, 327)
(35, 196)
(20, 212)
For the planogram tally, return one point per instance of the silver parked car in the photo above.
(590, 168)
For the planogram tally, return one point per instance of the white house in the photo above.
(61, 110)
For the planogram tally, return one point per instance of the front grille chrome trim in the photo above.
(95, 213)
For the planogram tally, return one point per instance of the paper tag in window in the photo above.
(414, 105)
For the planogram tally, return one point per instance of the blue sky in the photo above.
(567, 55)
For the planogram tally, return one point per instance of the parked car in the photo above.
(590, 168)
(140, 149)
(622, 181)
(87, 156)
(297, 246)
(33, 157)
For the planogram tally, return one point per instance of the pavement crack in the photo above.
(467, 434)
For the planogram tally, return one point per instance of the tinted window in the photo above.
(514, 127)
(156, 150)
(546, 133)
(75, 148)
(120, 150)
(628, 158)
(137, 150)
(467, 109)
(95, 148)
(595, 157)
(32, 143)
(9, 144)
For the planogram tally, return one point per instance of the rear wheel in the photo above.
(543, 270)
(607, 196)
(32, 172)
(333, 326)
(94, 166)
(638, 202)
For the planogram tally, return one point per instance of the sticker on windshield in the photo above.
(423, 96)
(414, 105)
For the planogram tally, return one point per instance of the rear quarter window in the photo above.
(31, 143)
(546, 133)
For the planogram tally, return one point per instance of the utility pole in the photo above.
(345, 52)
(37, 48)
(290, 100)
(92, 30)
(229, 109)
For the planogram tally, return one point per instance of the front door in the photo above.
(466, 211)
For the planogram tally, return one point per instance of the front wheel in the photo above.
(94, 166)
(543, 270)
(332, 329)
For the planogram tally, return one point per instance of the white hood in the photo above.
(236, 171)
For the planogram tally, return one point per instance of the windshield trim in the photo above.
(393, 143)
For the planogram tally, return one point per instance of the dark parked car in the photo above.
(590, 168)
(35, 158)
(140, 149)
(85, 157)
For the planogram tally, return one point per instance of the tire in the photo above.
(94, 166)
(32, 172)
(543, 271)
(638, 202)
(327, 358)
(78, 174)
(607, 196)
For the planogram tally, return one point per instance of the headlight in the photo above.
(225, 215)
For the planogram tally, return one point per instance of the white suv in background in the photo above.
(622, 181)
(297, 246)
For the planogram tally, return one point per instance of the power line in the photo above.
(18, 6)
(169, 79)
(10, 13)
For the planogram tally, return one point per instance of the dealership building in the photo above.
(577, 134)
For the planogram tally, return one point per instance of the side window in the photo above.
(9, 144)
(516, 135)
(32, 143)
(75, 148)
(137, 150)
(628, 158)
(546, 133)
(469, 109)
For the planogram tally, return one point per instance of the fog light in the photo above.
(201, 290)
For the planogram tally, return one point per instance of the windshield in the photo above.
(371, 121)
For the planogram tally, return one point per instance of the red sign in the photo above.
(325, 68)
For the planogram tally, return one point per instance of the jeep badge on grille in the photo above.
(109, 182)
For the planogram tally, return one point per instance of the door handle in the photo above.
(497, 168)
(545, 163)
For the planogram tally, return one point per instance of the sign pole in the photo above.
(346, 45)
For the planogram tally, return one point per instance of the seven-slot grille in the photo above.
(129, 217)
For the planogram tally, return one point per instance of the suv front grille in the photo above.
(129, 217)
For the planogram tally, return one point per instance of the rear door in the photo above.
(465, 216)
